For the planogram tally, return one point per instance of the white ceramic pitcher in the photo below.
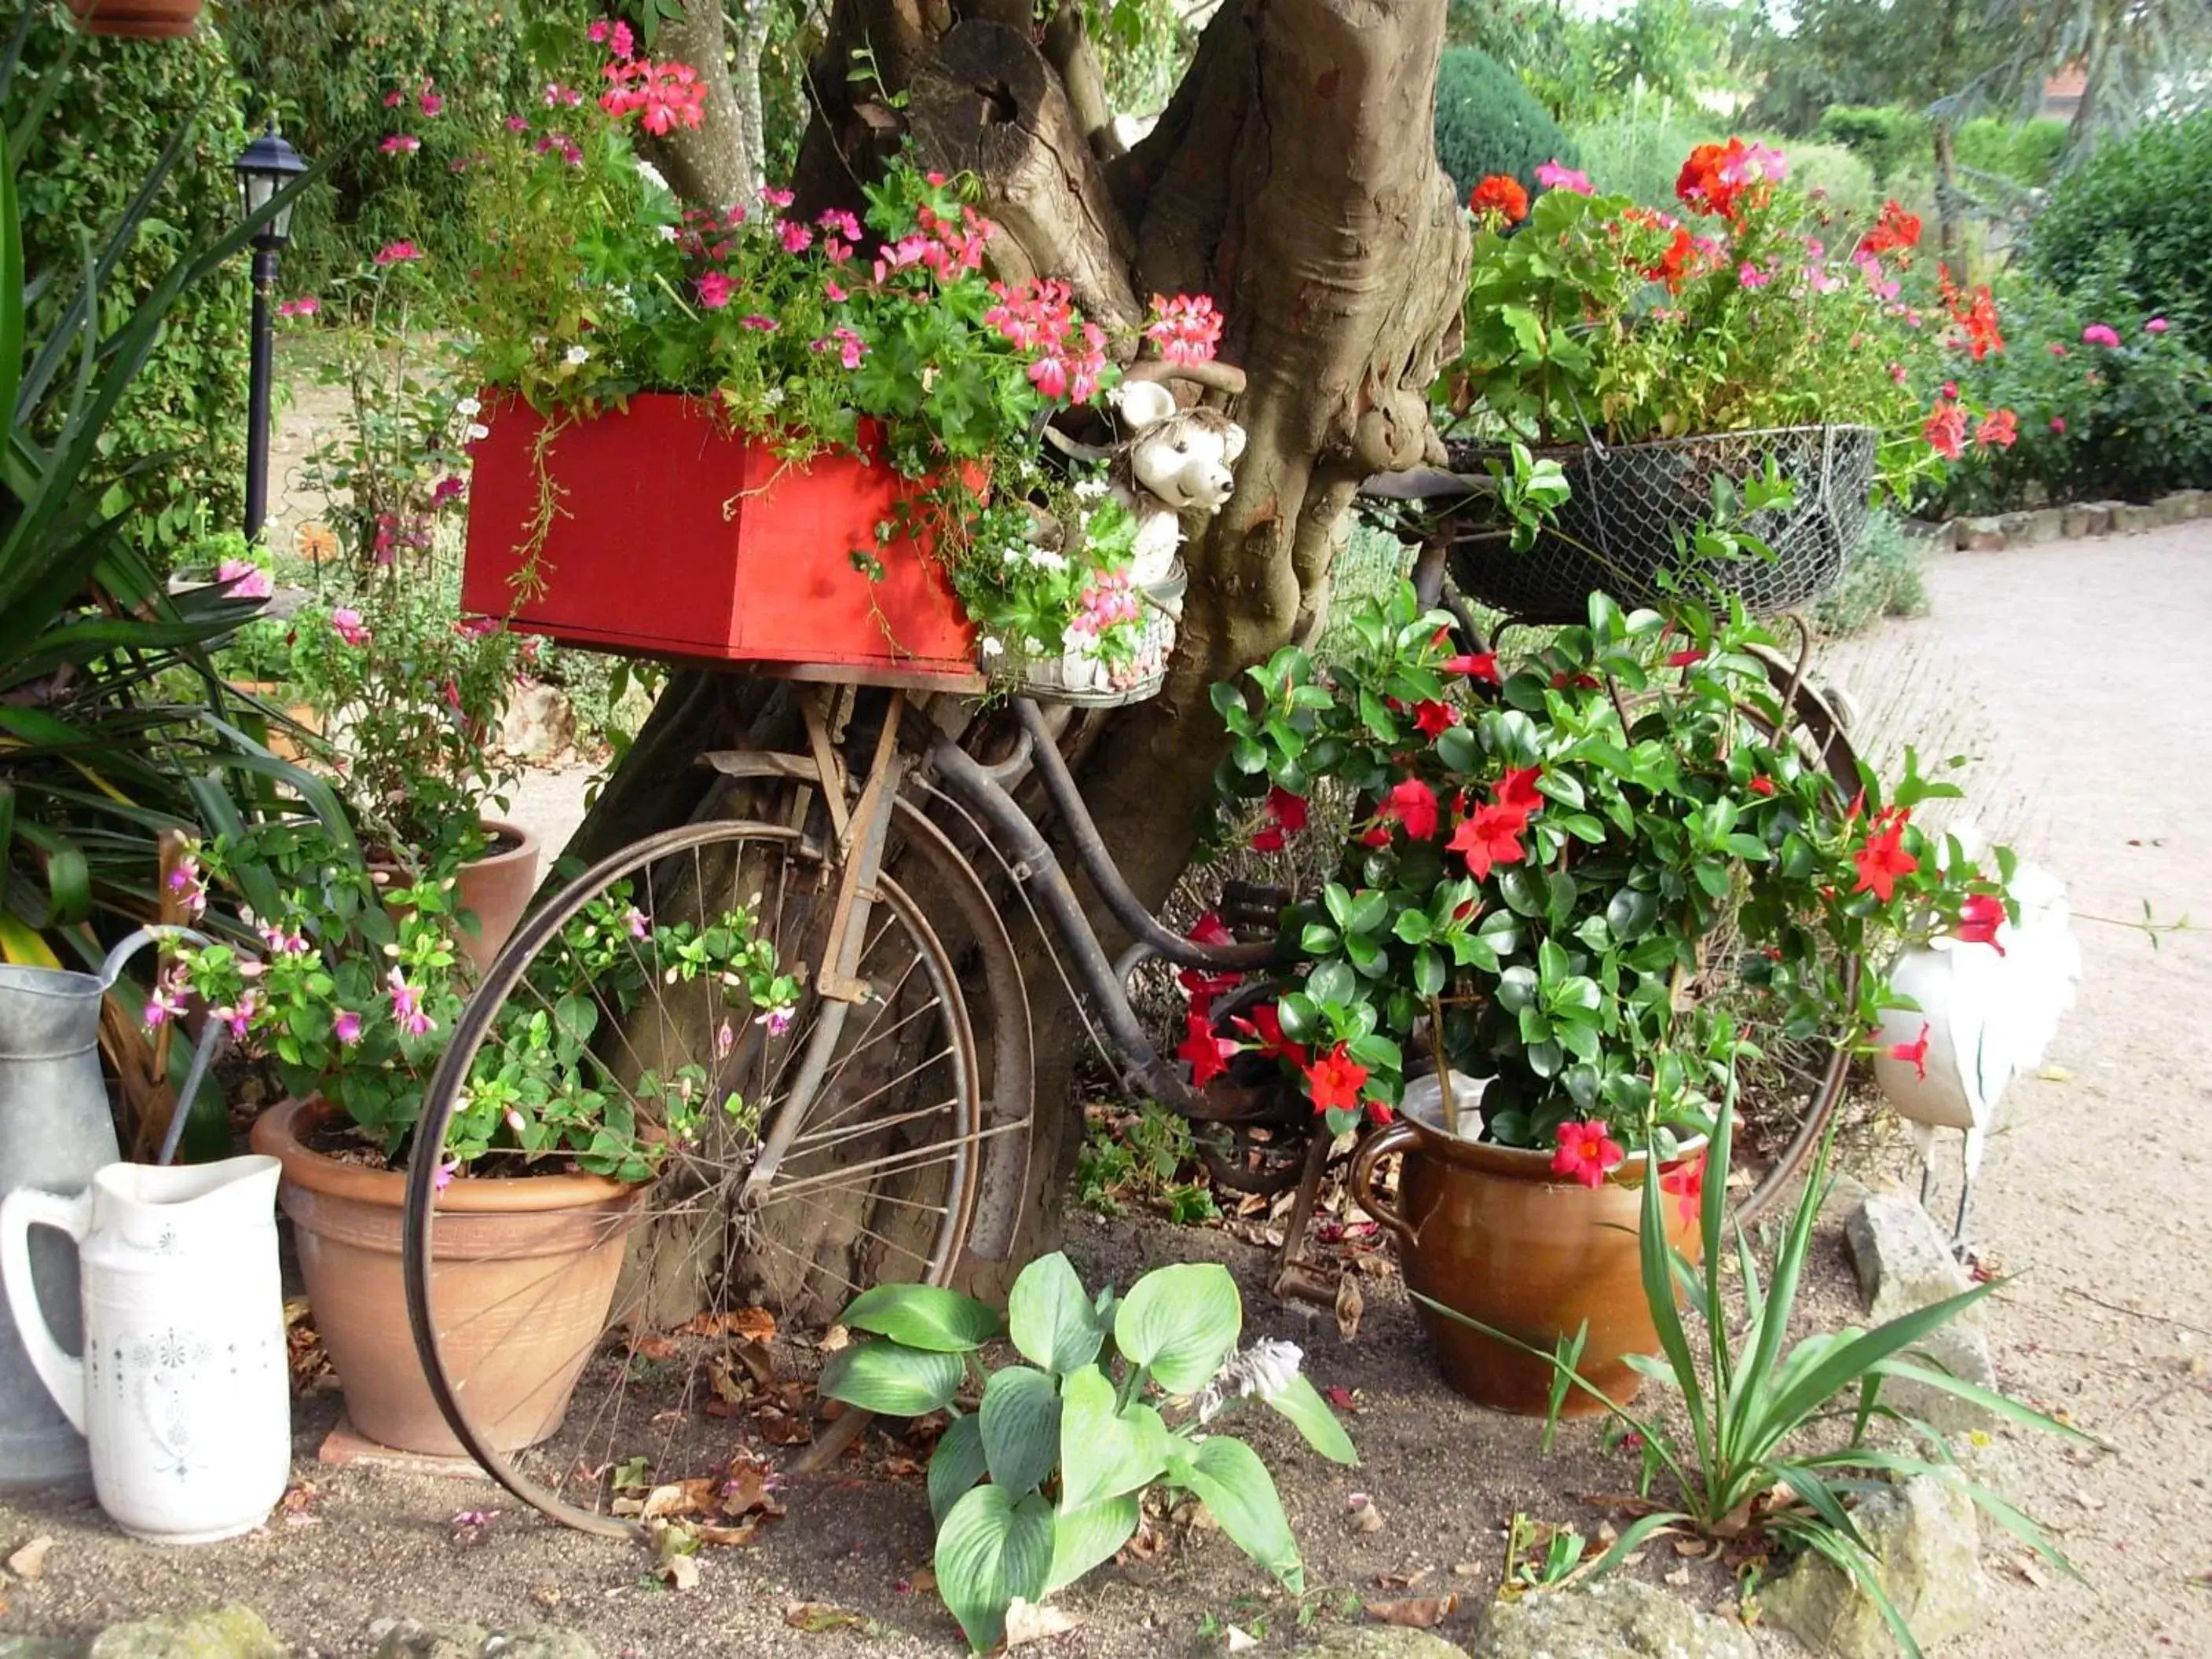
(184, 1392)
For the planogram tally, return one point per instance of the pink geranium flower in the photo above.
(796, 237)
(762, 325)
(401, 143)
(247, 580)
(306, 305)
(1551, 176)
(397, 253)
(715, 291)
(346, 624)
(1752, 276)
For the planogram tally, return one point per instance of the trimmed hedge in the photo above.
(1488, 122)
(2147, 193)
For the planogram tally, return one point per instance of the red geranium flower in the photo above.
(1895, 229)
(1333, 1081)
(1586, 1152)
(1501, 192)
(1412, 803)
(1883, 859)
(1946, 430)
(1979, 918)
(2000, 429)
(1208, 1055)
(1435, 718)
(1915, 1052)
(1491, 835)
(1687, 1180)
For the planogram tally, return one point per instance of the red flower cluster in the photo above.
(1491, 835)
(1894, 230)
(1500, 193)
(668, 95)
(1883, 859)
(2000, 429)
(1724, 178)
(1946, 429)
(1974, 311)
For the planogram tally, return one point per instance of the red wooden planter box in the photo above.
(673, 536)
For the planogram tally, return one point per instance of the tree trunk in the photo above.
(1280, 181)
(1946, 190)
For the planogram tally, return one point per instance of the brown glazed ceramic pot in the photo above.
(136, 20)
(523, 1275)
(1489, 1230)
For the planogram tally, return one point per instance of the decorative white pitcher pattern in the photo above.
(184, 1391)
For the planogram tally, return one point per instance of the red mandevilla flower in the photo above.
(1208, 1055)
(1586, 1153)
(1915, 1052)
(1883, 859)
(1434, 719)
(1412, 803)
(1488, 837)
(1687, 1179)
(1333, 1081)
(1979, 918)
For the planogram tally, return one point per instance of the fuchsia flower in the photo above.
(447, 1170)
(186, 882)
(407, 1006)
(306, 305)
(622, 43)
(1551, 176)
(778, 1020)
(634, 919)
(282, 941)
(247, 580)
(346, 624)
(597, 32)
(715, 291)
(240, 1018)
(345, 1026)
(167, 1002)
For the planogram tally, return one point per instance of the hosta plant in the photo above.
(1065, 1446)
(1754, 1449)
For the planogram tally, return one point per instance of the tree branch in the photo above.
(1068, 49)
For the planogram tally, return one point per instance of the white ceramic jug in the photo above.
(184, 1392)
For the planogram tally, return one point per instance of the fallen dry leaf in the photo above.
(1241, 1641)
(779, 1430)
(1679, 1575)
(297, 1505)
(900, 1468)
(1415, 1611)
(546, 1595)
(2027, 1570)
(1400, 1580)
(682, 1572)
(29, 1562)
(1365, 1517)
(753, 1324)
(653, 1345)
(834, 1338)
(1030, 1622)
(1349, 1307)
(722, 1380)
(1689, 1546)
(708, 1533)
(1466, 1569)
(1342, 1398)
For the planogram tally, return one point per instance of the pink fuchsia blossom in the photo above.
(1551, 176)
(246, 580)
(397, 253)
(401, 143)
(715, 291)
(306, 305)
(795, 237)
(1750, 276)
(444, 1178)
(167, 1003)
(2099, 334)
(186, 884)
(407, 1006)
(346, 624)
(778, 1020)
(2156, 326)
(634, 919)
(282, 941)
(835, 251)
(238, 1019)
(762, 325)
(1187, 329)
(345, 1026)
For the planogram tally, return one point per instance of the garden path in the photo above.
(2076, 679)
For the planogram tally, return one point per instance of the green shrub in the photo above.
(1885, 578)
(1887, 138)
(2096, 421)
(2026, 152)
(114, 104)
(2151, 188)
(1488, 122)
(328, 68)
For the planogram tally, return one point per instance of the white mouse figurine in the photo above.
(1175, 461)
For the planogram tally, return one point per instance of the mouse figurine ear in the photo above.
(1232, 443)
(1143, 403)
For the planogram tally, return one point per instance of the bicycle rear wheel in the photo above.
(553, 1370)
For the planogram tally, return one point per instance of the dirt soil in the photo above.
(2076, 680)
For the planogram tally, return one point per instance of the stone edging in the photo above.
(2033, 528)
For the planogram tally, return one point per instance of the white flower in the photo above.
(651, 174)
(1265, 1369)
(668, 233)
(995, 647)
(1045, 559)
(773, 396)
(477, 429)
(1090, 489)
(579, 354)
(469, 406)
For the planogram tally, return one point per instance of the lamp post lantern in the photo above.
(264, 166)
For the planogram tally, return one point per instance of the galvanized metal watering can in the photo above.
(55, 1132)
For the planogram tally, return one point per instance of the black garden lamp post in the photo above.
(264, 167)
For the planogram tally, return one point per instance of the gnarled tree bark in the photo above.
(1291, 179)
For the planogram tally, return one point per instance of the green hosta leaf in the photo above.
(1083, 1539)
(1180, 1322)
(1310, 1414)
(1050, 1318)
(924, 1317)
(1233, 1483)
(1103, 1455)
(1021, 1428)
(991, 1549)
(956, 1464)
(893, 1379)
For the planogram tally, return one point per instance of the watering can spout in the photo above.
(131, 943)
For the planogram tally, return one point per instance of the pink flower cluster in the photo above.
(401, 143)
(1037, 317)
(247, 580)
(1552, 176)
(941, 247)
(850, 347)
(663, 95)
(1108, 601)
(397, 253)
(306, 305)
(616, 37)
(1187, 329)
(561, 143)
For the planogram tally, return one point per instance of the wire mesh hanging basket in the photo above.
(1630, 503)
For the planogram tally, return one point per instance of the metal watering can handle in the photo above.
(203, 1053)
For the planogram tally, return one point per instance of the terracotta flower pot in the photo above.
(136, 20)
(281, 743)
(1490, 1231)
(525, 1273)
(497, 888)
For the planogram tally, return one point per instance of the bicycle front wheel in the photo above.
(801, 1155)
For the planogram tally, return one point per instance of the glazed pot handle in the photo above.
(1396, 1138)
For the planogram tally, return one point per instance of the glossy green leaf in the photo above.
(1087, 1537)
(889, 1377)
(1180, 1322)
(1301, 1402)
(1051, 1319)
(923, 1316)
(956, 1464)
(1233, 1483)
(1105, 1453)
(992, 1548)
